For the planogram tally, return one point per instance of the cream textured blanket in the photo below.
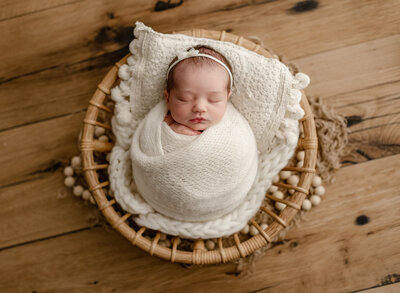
(194, 178)
(265, 93)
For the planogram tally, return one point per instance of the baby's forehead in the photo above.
(192, 68)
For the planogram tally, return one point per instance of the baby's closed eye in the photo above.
(215, 100)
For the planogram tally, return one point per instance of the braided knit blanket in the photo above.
(266, 94)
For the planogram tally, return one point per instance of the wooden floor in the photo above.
(54, 53)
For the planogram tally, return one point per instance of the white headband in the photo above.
(195, 53)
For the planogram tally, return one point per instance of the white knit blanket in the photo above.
(194, 178)
(265, 93)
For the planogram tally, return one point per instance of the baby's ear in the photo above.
(229, 94)
(166, 96)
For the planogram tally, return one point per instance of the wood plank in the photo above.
(373, 119)
(103, 29)
(393, 288)
(344, 256)
(41, 208)
(16, 8)
(52, 93)
(35, 149)
(353, 68)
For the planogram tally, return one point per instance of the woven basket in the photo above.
(97, 179)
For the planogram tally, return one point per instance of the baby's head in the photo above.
(198, 89)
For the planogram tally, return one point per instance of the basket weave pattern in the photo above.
(199, 255)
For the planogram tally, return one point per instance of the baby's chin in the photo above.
(199, 126)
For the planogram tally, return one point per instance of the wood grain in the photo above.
(393, 288)
(48, 209)
(373, 118)
(328, 238)
(52, 93)
(372, 63)
(19, 8)
(54, 53)
(78, 32)
(36, 148)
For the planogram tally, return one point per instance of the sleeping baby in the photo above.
(194, 156)
(198, 90)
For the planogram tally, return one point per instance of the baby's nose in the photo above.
(199, 106)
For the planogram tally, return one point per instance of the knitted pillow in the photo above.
(264, 92)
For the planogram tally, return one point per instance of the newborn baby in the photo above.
(198, 90)
(180, 173)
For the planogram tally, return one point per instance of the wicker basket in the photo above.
(120, 220)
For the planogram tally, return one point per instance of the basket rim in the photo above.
(198, 255)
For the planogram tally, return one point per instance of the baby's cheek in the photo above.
(179, 112)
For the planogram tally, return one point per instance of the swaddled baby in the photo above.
(194, 156)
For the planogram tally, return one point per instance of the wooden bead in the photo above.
(68, 171)
(306, 205)
(69, 181)
(284, 174)
(315, 200)
(253, 230)
(210, 245)
(272, 189)
(279, 194)
(103, 138)
(300, 156)
(76, 162)
(276, 179)
(320, 190)
(86, 194)
(245, 229)
(78, 190)
(99, 131)
(316, 181)
(280, 206)
(291, 190)
(264, 226)
(300, 164)
(293, 180)
(92, 201)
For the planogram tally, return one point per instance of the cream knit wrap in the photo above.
(194, 178)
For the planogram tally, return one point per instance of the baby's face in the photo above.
(199, 97)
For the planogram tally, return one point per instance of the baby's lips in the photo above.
(197, 120)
